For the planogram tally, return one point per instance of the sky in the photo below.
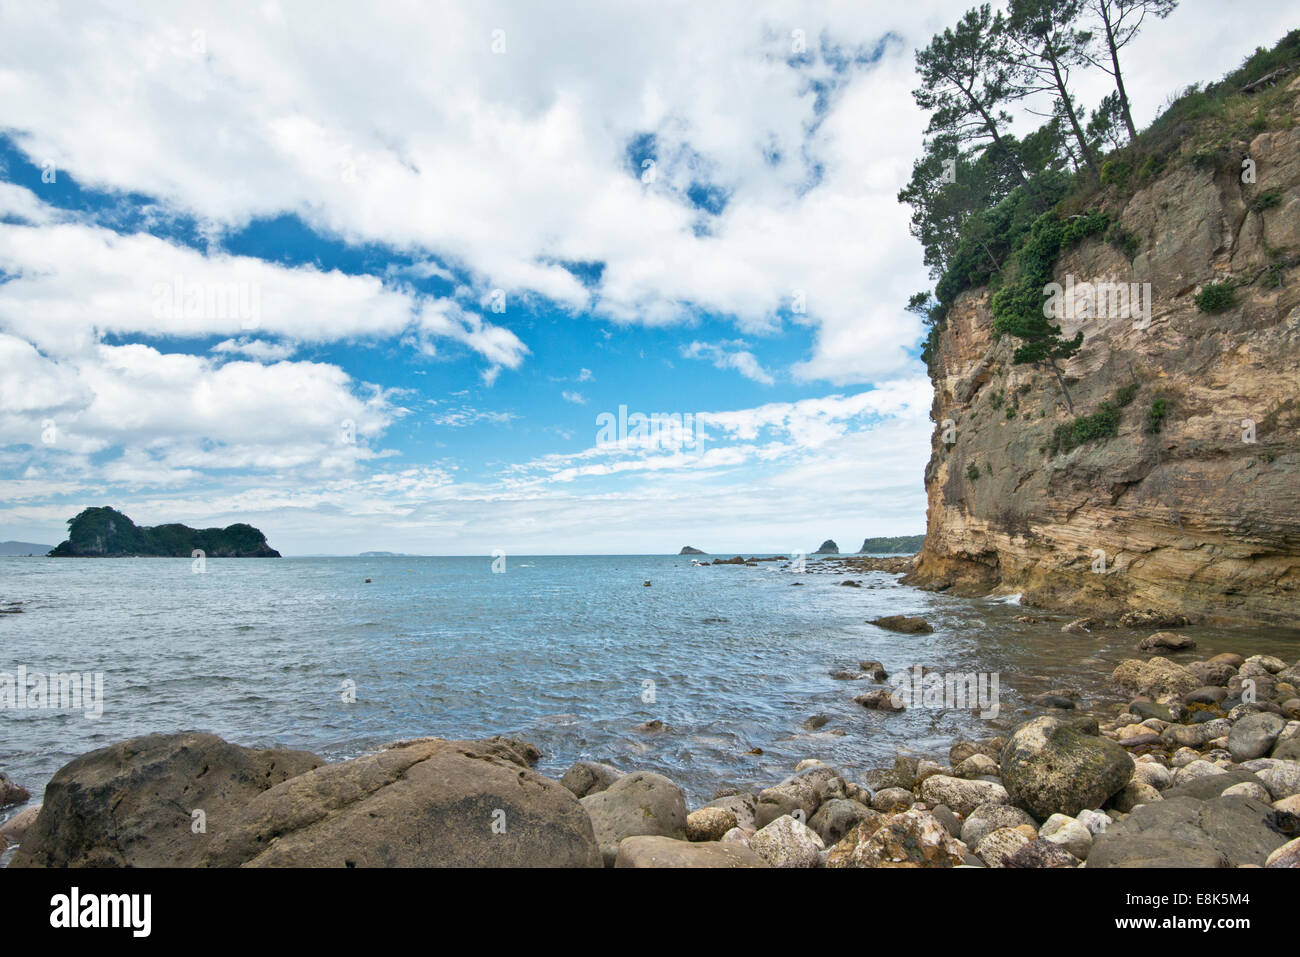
(408, 276)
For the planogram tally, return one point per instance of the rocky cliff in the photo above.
(1192, 506)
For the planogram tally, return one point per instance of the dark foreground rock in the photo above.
(426, 803)
(903, 624)
(132, 804)
(1184, 832)
(1050, 767)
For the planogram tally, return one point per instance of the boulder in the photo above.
(658, 851)
(423, 803)
(1042, 854)
(1154, 677)
(997, 847)
(1214, 673)
(961, 794)
(709, 824)
(887, 800)
(636, 804)
(11, 793)
(1069, 833)
(14, 829)
(991, 747)
(1166, 640)
(1253, 736)
(903, 624)
(1288, 855)
(589, 777)
(787, 842)
(1049, 767)
(1282, 779)
(133, 803)
(910, 839)
(990, 817)
(1185, 832)
(882, 699)
(741, 805)
(837, 817)
(977, 766)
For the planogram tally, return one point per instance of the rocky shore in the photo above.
(1201, 768)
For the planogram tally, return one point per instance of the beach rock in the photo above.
(1082, 626)
(589, 777)
(1213, 673)
(1253, 736)
(1153, 619)
(909, 839)
(881, 699)
(1095, 821)
(1286, 750)
(658, 851)
(997, 847)
(837, 817)
(741, 805)
(961, 794)
(785, 798)
(1270, 663)
(873, 669)
(1156, 775)
(640, 803)
(987, 818)
(1166, 640)
(1203, 785)
(11, 793)
(903, 624)
(1282, 780)
(977, 766)
(1196, 770)
(891, 799)
(423, 803)
(1250, 789)
(1154, 677)
(1042, 854)
(961, 750)
(14, 829)
(949, 820)
(1288, 855)
(1049, 767)
(131, 804)
(787, 842)
(1069, 833)
(709, 823)
(737, 834)
(1132, 795)
(1185, 832)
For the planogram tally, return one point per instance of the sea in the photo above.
(574, 654)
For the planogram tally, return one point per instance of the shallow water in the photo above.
(557, 650)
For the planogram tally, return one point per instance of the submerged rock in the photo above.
(903, 624)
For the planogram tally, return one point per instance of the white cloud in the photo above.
(729, 355)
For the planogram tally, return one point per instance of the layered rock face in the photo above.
(1201, 517)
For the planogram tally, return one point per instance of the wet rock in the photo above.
(990, 817)
(879, 700)
(640, 803)
(1083, 626)
(589, 777)
(657, 851)
(816, 721)
(1153, 619)
(709, 823)
(1253, 736)
(652, 726)
(887, 800)
(787, 842)
(910, 839)
(14, 829)
(1270, 663)
(131, 803)
(1213, 673)
(1185, 832)
(961, 750)
(1154, 677)
(11, 793)
(961, 794)
(1206, 694)
(1049, 767)
(903, 624)
(1167, 641)
(873, 669)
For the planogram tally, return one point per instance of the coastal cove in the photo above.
(571, 654)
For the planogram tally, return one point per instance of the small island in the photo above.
(828, 547)
(688, 550)
(895, 545)
(106, 533)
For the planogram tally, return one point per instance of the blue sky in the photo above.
(369, 283)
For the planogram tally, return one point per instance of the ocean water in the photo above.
(570, 653)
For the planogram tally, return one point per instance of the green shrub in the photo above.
(1266, 200)
(1126, 394)
(1115, 172)
(1119, 237)
(1215, 297)
(1156, 416)
(973, 473)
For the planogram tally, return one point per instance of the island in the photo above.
(828, 547)
(895, 545)
(688, 550)
(106, 533)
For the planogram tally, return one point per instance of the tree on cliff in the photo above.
(1118, 22)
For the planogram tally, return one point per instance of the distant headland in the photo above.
(106, 533)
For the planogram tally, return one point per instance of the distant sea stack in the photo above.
(828, 547)
(688, 550)
(895, 545)
(107, 533)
